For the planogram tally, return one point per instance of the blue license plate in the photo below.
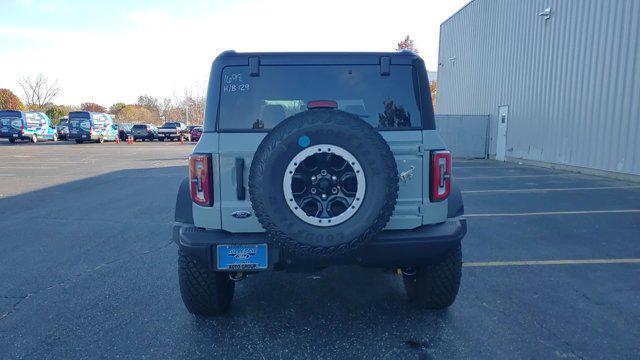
(242, 257)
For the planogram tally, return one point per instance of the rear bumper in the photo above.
(170, 135)
(85, 137)
(17, 136)
(397, 248)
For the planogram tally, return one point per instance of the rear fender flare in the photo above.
(455, 204)
(184, 210)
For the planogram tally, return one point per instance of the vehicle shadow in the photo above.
(60, 227)
(344, 311)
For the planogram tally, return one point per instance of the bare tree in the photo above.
(194, 104)
(38, 92)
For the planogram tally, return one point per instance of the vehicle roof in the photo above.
(81, 112)
(18, 112)
(10, 111)
(324, 58)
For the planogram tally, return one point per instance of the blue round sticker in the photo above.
(304, 141)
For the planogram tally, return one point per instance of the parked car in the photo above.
(144, 132)
(196, 132)
(63, 128)
(26, 125)
(124, 130)
(174, 131)
(90, 126)
(291, 176)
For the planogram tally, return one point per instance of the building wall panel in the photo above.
(572, 82)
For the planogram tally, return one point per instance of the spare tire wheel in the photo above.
(323, 182)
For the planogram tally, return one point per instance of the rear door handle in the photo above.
(240, 191)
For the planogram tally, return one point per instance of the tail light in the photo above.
(200, 178)
(440, 175)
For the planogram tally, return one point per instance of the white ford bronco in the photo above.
(313, 159)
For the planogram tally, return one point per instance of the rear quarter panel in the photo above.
(209, 216)
(405, 146)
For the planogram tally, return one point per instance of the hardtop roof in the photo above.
(231, 57)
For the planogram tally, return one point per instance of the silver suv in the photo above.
(314, 159)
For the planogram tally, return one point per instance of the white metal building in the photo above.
(559, 79)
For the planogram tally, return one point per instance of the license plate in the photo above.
(84, 136)
(15, 135)
(242, 257)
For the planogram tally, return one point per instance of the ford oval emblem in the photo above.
(241, 214)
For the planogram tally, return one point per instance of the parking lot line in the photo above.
(550, 262)
(485, 167)
(557, 213)
(514, 176)
(26, 167)
(549, 189)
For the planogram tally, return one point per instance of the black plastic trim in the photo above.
(395, 248)
(184, 210)
(385, 65)
(240, 190)
(254, 66)
(455, 206)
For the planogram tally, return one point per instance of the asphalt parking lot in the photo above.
(88, 270)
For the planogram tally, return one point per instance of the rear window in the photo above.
(80, 124)
(171, 125)
(260, 103)
(139, 127)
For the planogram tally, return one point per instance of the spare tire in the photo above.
(323, 182)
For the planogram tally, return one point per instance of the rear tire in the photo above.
(436, 286)
(12, 140)
(78, 141)
(203, 291)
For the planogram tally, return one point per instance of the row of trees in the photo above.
(39, 93)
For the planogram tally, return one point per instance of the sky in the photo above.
(114, 51)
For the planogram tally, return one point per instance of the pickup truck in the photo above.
(174, 131)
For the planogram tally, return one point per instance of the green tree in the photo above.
(115, 108)
(55, 112)
(150, 103)
(135, 114)
(9, 100)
